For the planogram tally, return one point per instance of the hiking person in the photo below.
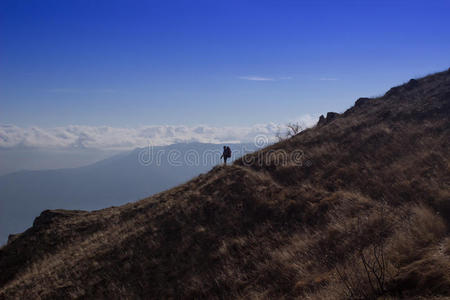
(226, 154)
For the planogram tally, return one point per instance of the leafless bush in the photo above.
(291, 130)
(367, 270)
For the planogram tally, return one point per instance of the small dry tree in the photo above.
(292, 129)
(365, 272)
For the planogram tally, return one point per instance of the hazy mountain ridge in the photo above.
(371, 189)
(16, 159)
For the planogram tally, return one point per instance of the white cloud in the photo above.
(328, 79)
(256, 78)
(306, 120)
(261, 78)
(114, 138)
(80, 91)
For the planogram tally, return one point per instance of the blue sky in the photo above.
(221, 63)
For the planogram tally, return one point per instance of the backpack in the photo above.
(228, 152)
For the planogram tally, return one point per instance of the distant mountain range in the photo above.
(15, 159)
(114, 181)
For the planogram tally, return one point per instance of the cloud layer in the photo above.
(109, 138)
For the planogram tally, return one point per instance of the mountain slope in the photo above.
(356, 207)
(113, 181)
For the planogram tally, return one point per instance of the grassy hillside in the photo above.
(356, 207)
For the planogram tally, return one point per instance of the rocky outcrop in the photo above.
(409, 86)
(361, 101)
(50, 216)
(325, 120)
(12, 237)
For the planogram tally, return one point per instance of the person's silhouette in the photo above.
(226, 154)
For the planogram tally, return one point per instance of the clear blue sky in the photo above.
(131, 63)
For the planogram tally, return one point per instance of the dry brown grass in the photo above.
(373, 204)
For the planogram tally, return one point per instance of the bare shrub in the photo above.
(292, 129)
(366, 270)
